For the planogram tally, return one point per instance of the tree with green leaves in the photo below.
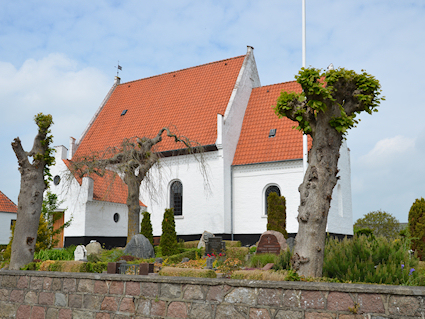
(417, 226)
(276, 213)
(325, 110)
(146, 227)
(381, 223)
(35, 176)
(168, 242)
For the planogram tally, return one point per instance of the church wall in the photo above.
(249, 185)
(202, 209)
(247, 80)
(5, 232)
(340, 218)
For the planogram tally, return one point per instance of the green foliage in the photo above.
(56, 254)
(364, 231)
(44, 122)
(168, 241)
(191, 254)
(380, 222)
(320, 89)
(417, 226)
(363, 259)
(237, 252)
(97, 267)
(187, 272)
(283, 261)
(276, 213)
(146, 227)
(260, 260)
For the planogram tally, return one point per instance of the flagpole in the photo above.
(303, 62)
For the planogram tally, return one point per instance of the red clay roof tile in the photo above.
(254, 144)
(187, 101)
(109, 188)
(6, 205)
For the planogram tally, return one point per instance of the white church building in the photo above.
(249, 152)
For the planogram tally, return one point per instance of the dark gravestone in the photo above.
(214, 245)
(145, 268)
(268, 244)
(112, 268)
(140, 247)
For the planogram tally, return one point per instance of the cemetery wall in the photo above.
(31, 294)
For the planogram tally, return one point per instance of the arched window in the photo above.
(270, 189)
(176, 198)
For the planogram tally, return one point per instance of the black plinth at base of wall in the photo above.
(111, 242)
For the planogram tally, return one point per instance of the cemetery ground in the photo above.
(358, 260)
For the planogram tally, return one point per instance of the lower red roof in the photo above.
(255, 145)
(6, 205)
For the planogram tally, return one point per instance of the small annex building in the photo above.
(8, 213)
(249, 152)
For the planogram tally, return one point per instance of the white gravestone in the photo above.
(80, 253)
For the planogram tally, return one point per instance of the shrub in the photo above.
(191, 254)
(283, 261)
(380, 222)
(237, 252)
(168, 241)
(276, 213)
(367, 260)
(232, 243)
(146, 227)
(417, 226)
(260, 260)
(191, 244)
(56, 254)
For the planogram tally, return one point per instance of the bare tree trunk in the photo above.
(133, 205)
(316, 195)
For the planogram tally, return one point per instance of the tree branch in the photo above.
(21, 155)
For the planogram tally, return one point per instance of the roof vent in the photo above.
(272, 132)
(123, 112)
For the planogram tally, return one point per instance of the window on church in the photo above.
(176, 198)
(270, 189)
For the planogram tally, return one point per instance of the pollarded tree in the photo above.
(34, 180)
(133, 160)
(325, 110)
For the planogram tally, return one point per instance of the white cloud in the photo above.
(388, 151)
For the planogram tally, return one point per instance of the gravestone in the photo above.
(210, 262)
(140, 247)
(185, 260)
(159, 260)
(214, 245)
(80, 253)
(271, 242)
(204, 237)
(94, 248)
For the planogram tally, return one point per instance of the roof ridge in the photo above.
(192, 67)
(275, 84)
(10, 201)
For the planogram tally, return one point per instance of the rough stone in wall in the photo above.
(140, 247)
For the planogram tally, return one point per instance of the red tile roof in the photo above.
(254, 144)
(6, 205)
(109, 188)
(187, 100)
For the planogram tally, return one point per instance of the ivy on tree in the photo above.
(35, 176)
(325, 110)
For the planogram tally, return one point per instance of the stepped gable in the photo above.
(255, 145)
(6, 205)
(186, 101)
(109, 188)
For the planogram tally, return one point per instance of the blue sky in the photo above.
(59, 57)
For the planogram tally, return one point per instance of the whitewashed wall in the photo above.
(249, 186)
(5, 232)
(251, 181)
(202, 209)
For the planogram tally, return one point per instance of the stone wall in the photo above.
(31, 294)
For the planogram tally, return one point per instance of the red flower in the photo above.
(208, 255)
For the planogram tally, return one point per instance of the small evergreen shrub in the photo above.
(191, 254)
(276, 213)
(232, 243)
(283, 261)
(168, 242)
(367, 260)
(146, 227)
(417, 227)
